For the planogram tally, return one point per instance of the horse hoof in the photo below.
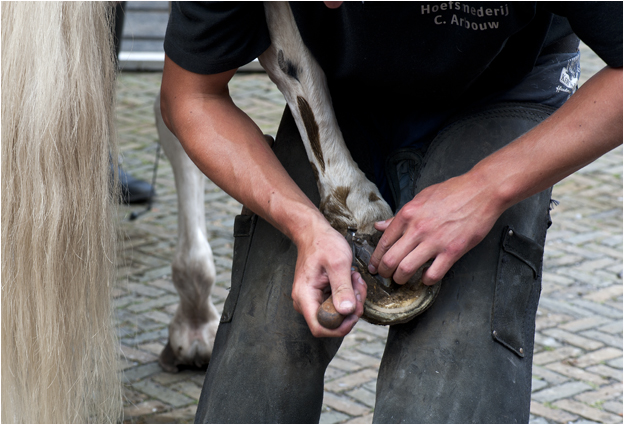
(388, 303)
(167, 359)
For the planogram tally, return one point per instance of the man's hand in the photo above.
(442, 222)
(323, 263)
(446, 220)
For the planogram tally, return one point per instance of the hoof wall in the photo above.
(397, 303)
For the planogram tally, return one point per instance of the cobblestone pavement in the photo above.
(578, 360)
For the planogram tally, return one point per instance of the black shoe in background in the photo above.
(133, 190)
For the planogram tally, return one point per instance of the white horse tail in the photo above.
(59, 350)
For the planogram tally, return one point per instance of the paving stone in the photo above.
(344, 365)
(364, 396)
(124, 364)
(366, 419)
(137, 355)
(133, 340)
(145, 290)
(373, 349)
(606, 294)
(180, 416)
(188, 388)
(141, 372)
(556, 415)
(606, 371)
(546, 342)
(537, 420)
(573, 339)
(599, 309)
(158, 316)
(144, 408)
(616, 363)
(605, 393)
(585, 411)
(597, 356)
(561, 391)
(332, 417)
(152, 347)
(131, 397)
(350, 381)
(359, 359)
(582, 280)
(550, 320)
(564, 308)
(166, 378)
(584, 323)
(556, 355)
(612, 340)
(345, 405)
(156, 273)
(163, 394)
(153, 303)
(163, 284)
(577, 373)
(613, 407)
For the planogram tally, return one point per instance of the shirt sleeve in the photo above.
(214, 37)
(598, 24)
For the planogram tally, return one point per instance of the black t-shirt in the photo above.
(436, 50)
(393, 66)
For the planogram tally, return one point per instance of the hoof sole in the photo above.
(397, 303)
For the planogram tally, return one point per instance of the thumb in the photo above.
(342, 292)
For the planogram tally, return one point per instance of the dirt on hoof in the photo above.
(392, 304)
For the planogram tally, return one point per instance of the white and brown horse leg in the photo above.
(194, 326)
(348, 198)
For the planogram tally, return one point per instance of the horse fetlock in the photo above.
(357, 205)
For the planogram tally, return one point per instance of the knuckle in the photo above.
(408, 212)
(405, 269)
(454, 250)
(435, 275)
(388, 263)
(338, 262)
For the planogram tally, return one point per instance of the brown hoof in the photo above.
(168, 360)
(390, 303)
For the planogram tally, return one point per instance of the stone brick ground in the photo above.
(578, 361)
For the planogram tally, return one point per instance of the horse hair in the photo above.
(59, 349)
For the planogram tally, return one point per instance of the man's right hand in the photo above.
(324, 261)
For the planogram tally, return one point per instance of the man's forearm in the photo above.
(584, 128)
(230, 149)
(587, 126)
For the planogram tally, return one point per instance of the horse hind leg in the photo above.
(193, 328)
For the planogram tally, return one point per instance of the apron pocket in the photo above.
(243, 229)
(518, 286)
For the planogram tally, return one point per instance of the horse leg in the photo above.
(348, 198)
(194, 326)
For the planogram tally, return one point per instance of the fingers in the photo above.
(342, 289)
(391, 234)
(359, 289)
(406, 268)
(383, 225)
(437, 270)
